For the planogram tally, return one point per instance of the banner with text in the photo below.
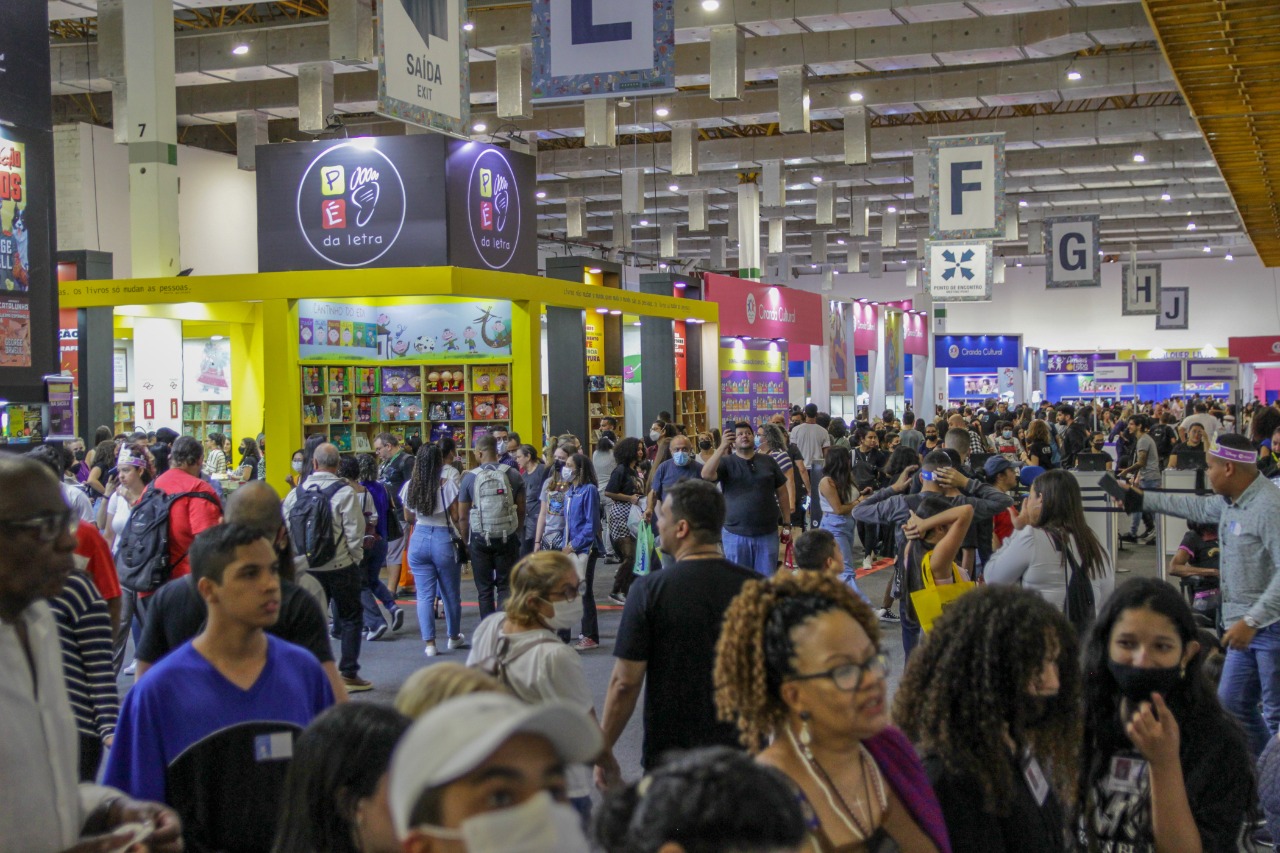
(1141, 290)
(959, 270)
(1071, 251)
(986, 351)
(602, 48)
(966, 186)
(866, 319)
(753, 381)
(749, 309)
(424, 77)
(1074, 362)
(915, 333)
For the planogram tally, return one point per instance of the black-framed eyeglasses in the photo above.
(848, 676)
(48, 526)
(571, 593)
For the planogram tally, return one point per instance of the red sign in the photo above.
(682, 363)
(915, 334)
(748, 309)
(866, 319)
(69, 344)
(1259, 350)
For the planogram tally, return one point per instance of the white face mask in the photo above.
(566, 474)
(654, 435)
(297, 467)
(538, 825)
(568, 614)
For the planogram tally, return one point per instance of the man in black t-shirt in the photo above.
(755, 497)
(1075, 438)
(670, 625)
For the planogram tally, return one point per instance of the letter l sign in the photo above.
(586, 31)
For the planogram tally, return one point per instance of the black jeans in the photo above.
(91, 750)
(342, 586)
(491, 564)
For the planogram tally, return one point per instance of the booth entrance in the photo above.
(261, 318)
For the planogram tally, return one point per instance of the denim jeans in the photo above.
(1147, 519)
(435, 571)
(374, 590)
(586, 563)
(1252, 676)
(491, 564)
(342, 586)
(754, 552)
(843, 528)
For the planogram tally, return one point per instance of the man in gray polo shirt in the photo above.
(813, 441)
(1245, 507)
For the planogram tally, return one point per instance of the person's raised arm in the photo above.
(944, 553)
(711, 469)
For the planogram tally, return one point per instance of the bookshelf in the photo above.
(691, 411)
(350, 404)
(123, 418)
(200, 419)
(604, 400)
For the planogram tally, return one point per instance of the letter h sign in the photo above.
(966, 177)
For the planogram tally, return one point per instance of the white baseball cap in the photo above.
(454, 738)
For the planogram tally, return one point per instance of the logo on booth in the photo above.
(751, 308)
(953, 351)
(493, 209)
(1275, 347)
(351, 204)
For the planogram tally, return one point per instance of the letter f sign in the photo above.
(959, 187)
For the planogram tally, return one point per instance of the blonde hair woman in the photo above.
(436, 684)
(520, 648)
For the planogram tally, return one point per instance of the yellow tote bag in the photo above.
(933, 599)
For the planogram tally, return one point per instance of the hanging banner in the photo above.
(915, 333)
(749, 309)
(1113, 371)
(839, 320)
(893, 356)
(446, 329)
(602, 48)
(1141, 291)
(984, 351)
(1254, 350)
(424, 77)
(959, 271)
(1213, 369)
(966, 186)
(595, 343)
(1074, 362)
(1174, 308)
(866, 319)
(1071, 251)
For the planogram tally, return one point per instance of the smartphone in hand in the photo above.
(1109, 484)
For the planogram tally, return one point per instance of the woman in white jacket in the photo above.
(1051, 526)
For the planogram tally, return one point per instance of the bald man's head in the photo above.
(255, 504)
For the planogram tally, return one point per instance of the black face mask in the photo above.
(558, 464)
(80, 454)
(1137, 684)
(704, 445)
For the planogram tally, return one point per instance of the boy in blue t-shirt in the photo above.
(210, 729)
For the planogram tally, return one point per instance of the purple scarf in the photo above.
(897, 760)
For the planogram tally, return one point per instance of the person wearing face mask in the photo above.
(1004, 443)
(296, 465)
(520, 648)
(624, 490)
(706, 447)
(799, 667)
(581, 537)
(486, 773)
(1000, 754)
(682, 465)
(1163, 767)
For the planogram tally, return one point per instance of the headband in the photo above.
(127, 457)
(1231, 454)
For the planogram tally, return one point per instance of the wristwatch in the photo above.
(1251, 622)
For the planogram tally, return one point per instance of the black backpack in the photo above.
(1079, 605)
(143, 560)
(310, 524)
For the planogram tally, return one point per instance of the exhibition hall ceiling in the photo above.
(1094, 118)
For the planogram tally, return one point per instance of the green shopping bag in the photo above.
(646, 553)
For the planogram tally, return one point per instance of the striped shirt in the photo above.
(84, 629)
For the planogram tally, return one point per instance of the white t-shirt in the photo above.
(1029, 558)
(541, 668)
(810, 439)
(449, 482)
(78, 501)
(118, 510)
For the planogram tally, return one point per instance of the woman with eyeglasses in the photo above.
(1001, 752)
(519, 646)
(800, 671)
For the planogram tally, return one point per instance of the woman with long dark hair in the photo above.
(991, 701)
(624, 490)
(1051, 541)
(838, 495)
(430, 499)
(1039, 445)
(335, 793)
(581, 532)
(1164, 766)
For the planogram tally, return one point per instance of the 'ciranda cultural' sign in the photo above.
(749, 309)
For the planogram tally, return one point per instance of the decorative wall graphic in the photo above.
(206, 369)
(1175, 310)
(894, 370)
(753, 381)
(1071, 251)
(602, 48)
(424, 77)
(959, 270)
(966, 187)
(442, 331)
(840, 322)
(1141, 293)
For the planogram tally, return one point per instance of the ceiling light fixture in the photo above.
(1191, 226)
(644, 222)
(602, 310)
(615, 312)
(594, 270)
(662, 266)
(840, 241)
(240, 49)
(855, 96)
(1228, 257)
(541, 194)
(1072, 74)
(662, 112)
(817, 179)
(1166, 197)
(468, 26)
(710, 5)
(1139, 157)
(1208, 250)
(891, 209)
(1022, 202)
(674, 188)
(479, 127)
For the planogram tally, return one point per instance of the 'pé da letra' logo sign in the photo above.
(493, 209)
(351, 204)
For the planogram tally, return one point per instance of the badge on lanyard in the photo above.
(1235, 528)
(273, 747)
(1126, 774)
(1036, 780)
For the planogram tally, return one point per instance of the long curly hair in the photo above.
(424, 487)
(966, 688)
(755, 652)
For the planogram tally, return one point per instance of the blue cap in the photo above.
(1029, 473)
(995, 465)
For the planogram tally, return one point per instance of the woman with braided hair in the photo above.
(992, 701)
(800, 671)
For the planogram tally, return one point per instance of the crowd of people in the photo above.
(1044, 706)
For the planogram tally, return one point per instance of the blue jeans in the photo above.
(844, 529)
(374, 589)
(435, 570)
(1252, 676)
(754, 552)
(1146, 518)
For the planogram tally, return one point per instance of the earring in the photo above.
(806, 737)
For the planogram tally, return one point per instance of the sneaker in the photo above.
(459, 642)
(376, 633)
(431, 650)
(1128, 537)
(131, 669)
(585, 644)
(1147, 538)
(887, 615)
(356, 684)
(617, 598)
(397, 619)
(866, 562)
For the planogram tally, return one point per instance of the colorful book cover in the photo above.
(482, 407)
(348, 334)
(397, 380)
(306, 333)
(334, 333)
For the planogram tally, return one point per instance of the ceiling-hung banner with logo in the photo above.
(752, 310)
(1141, 289)
(840, 325)
(959, 270)
(424, 77)
(1175, 311)
(966, 187)
(915, 334)
(492, 209)
(602, 48)
(866, 322)
(977, 350)
(1071, 251)
(894, 370)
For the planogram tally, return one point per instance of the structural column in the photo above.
(526, 370)
(749, 231)
(657, 348)
(152, 138)
(282, 386)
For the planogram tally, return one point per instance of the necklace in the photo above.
(832, 792)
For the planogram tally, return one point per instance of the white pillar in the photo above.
(749, 231)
